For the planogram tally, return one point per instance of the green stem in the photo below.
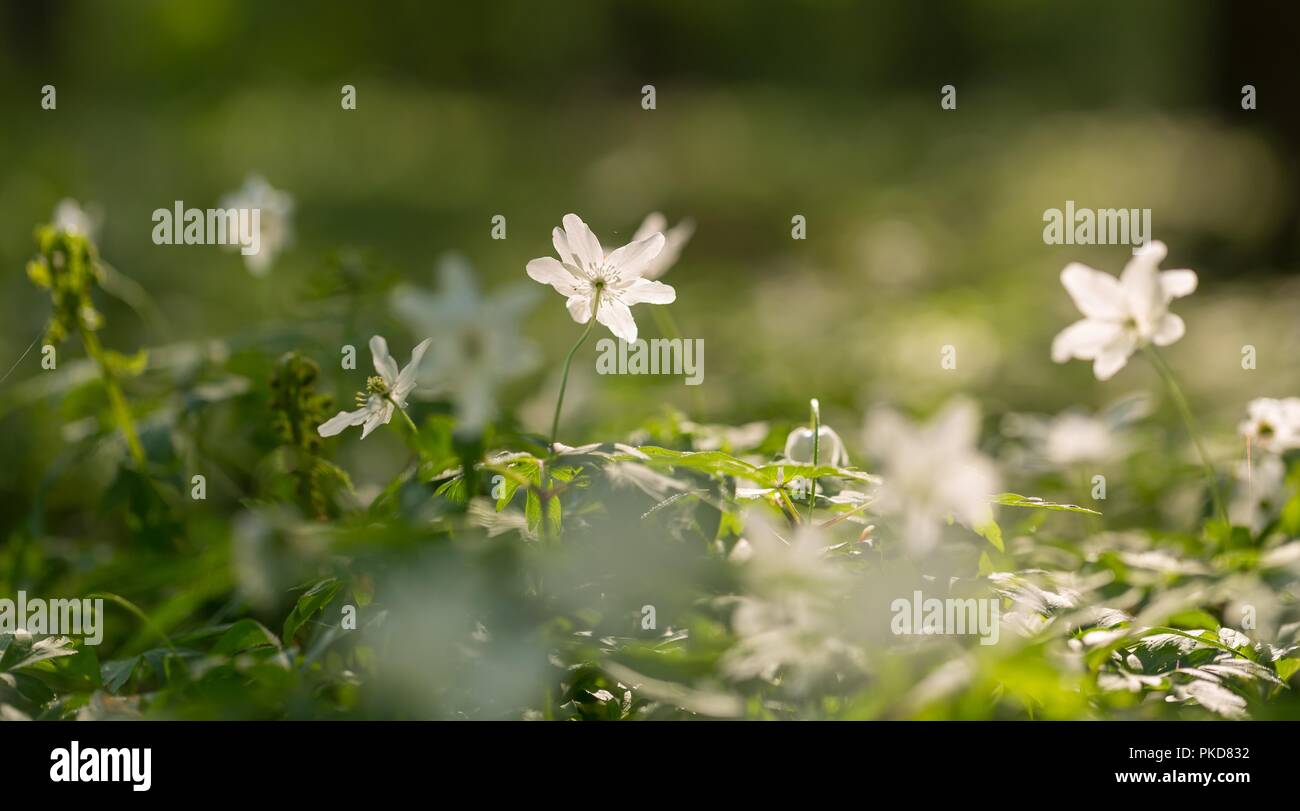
(564, 376)
(1189, 423)
(409, 422)
(816, 421)
(117, 402)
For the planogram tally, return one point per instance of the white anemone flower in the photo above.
(275, 231)
(1272, 425)
(384, 392)
(830, 448)
(586, 275)
(675, 239)
(1122, 315)
(477, 343)
(932, 472)
(1074, 438)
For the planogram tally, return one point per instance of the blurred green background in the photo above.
(924, 225)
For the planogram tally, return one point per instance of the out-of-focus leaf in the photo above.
(249, 633)
(1017, 500)
(313, 600)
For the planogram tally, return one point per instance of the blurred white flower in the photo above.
(789, 622)
(1122, 315)
(585, 272)
(709, 437)
(69, 216)
(675, 239)
(276, 219)
(1259, 493)
(1073, 438)
(1273, 425)
(477, 345)
(932, 472)
(384, 392)
(830, 448)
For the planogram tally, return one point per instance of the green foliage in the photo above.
(296, 410)
(67, 266)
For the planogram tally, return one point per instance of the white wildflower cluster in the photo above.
(475, 340)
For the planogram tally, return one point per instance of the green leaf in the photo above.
(248, 633)
(554, 515)
(25, 653)
(509, 488)
(1286, 668)
(1017, 500)
(533, 511)
(718, 463)
(711, 462)
(67, 674)
(126, 366)
(1192, 619)
(117, 673)
(453, 490)
(993, 533)
(315, 598)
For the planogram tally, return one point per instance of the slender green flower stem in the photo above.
(1189, 423)
(564, 376)
(413, 442)
(116, 400)
(409, 422)
(816, 421)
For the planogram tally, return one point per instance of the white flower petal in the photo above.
(956, 428)
(1114, 356)
(457, 279)
(675, 239)
(654, 223)
(1084, 339)
(1142, 287)
(343, 419)
(633, 258)
(377, 415)
(884, 429)
(1154, 252)
(644, 291)
(561, 243)
(582, 241)
(830, 448)
(1178, 283)
(1170, 329)
(549, 270)
(406, 379)
(579, 308)
(384, 363)
(618, 318)
(1096, 294)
